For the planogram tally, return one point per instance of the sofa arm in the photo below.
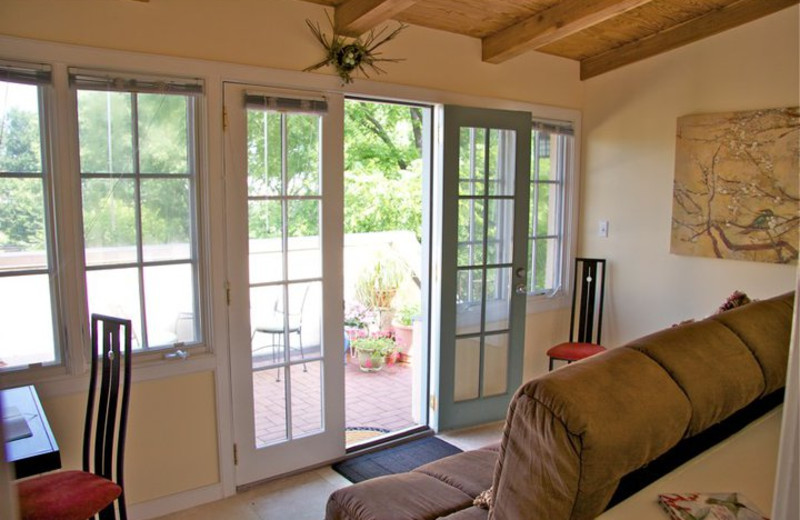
(573, 433)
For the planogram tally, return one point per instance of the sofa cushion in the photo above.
(689, 353)
(761, 326)
(470, 471)
(404, 496)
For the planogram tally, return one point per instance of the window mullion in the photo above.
(137, 209)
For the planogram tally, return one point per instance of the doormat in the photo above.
(397, 459)
(355, 434)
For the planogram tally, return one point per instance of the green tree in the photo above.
(21, 198)
(383, 167)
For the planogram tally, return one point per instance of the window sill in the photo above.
(545, 303)
(54, 381)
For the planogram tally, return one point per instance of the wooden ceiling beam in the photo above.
(355, 17)
(560, 21)
(714, 22)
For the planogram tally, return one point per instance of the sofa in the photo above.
(587, 435)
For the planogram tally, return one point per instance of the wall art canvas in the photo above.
(735, 193)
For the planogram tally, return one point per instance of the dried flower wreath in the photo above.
(349, 57)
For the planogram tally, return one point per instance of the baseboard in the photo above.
(173, 503)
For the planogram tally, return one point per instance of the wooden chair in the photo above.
(587, 313)
(78, 495)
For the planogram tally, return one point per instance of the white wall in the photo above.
(629, 153)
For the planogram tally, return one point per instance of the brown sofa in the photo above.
(609, 424)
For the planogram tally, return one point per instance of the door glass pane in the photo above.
(265, 244)
(467, 369)
(305, 247)
(501, 162)
(303, 319)
(169, 298)
(264, 159)
(115, 292)
(26, 335)
(109, 221)
(306, 398)
(469, 301)
(471, 217)
(472, 180)
(495, 364)
(105, 128)
(269, 406)
(499, 237)
(166, 219)
(303, 135)
(498, 298)
(267, 334)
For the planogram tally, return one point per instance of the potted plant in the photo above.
(404, 328)
(377, 286)
(374, 352)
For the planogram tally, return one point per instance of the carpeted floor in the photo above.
(397, 459)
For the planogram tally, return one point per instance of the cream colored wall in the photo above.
(629, 145)
(273, 33)
(172, 439)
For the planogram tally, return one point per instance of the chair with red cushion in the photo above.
(587, 313)
(78, 495)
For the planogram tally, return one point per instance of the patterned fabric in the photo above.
(484, 500)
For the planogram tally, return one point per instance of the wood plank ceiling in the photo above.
(601, 34)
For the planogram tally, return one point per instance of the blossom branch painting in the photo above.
(735, 193)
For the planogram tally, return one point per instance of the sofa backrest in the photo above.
(572, 434)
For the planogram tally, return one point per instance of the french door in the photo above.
(283, 167)
(483, 225)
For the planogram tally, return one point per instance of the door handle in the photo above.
(521, 289)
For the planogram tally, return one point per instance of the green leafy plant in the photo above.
(405, 315)
(377, 285)
(372, 352)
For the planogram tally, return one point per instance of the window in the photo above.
(551, 155)
(27, 274)
(137, 145)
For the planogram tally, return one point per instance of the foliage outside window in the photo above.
(138, 184)
(551, 153)
(27, 274)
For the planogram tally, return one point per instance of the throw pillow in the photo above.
(484, 499)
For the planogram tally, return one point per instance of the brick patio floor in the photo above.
(372, 400)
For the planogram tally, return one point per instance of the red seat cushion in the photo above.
(65, 495)
(574, 351)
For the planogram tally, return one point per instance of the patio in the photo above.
(373, 400)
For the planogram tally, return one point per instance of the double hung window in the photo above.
(136, 218)
(551, 164)
(27, 263)
(137, 143)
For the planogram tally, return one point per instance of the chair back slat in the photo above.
(111, 359)
(587, 300)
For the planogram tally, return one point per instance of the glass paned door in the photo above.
(286, 358)
(484, 222)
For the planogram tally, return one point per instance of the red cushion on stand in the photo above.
(574, 351)
(65, 495)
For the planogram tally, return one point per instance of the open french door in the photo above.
(483, 221)
(283, 168)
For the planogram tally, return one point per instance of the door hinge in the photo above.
(432, 402)
(235, 455)
(228, 293)
(224, 119)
